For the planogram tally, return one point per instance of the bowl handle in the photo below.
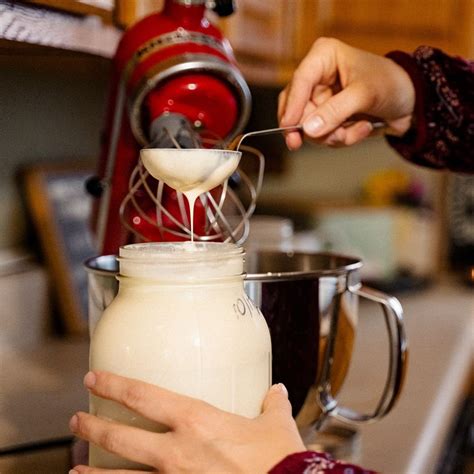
(398, 355)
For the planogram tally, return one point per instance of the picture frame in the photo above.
(59, 209)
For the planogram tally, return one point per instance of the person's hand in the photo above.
(202, 439)
(336, 81)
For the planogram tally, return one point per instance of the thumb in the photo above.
(332, 113)
(276, 401)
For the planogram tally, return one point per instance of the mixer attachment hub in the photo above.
(173, 130)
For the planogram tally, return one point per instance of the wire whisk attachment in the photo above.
(152, 211)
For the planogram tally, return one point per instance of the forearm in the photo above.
(443, 132)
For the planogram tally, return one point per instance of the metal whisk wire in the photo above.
(218, 227)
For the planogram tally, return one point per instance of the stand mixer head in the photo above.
(175, 84)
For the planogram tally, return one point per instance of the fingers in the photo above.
(319, 67)
(358, 132)
(150, 401)
(333, 82)
(276, 403)
(320, 95)
(399, 126)
(346, 136)
(295, 139)
(126, 441)
(282, 103)
(335, 111)
(296, 96)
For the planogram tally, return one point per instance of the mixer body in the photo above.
(172, 67)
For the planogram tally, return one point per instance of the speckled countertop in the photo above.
(41, 388)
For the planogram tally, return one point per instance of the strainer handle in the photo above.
(398, 354)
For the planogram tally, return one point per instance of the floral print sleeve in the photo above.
(311, 462)
(443, 135)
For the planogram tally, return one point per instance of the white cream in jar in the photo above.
(181, 320)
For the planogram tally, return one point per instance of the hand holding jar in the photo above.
(201, 439)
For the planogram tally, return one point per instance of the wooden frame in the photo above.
(61, 221)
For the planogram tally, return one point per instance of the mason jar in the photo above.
(181, 320)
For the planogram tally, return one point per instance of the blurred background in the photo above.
(413, 227)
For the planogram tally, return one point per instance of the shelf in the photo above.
(36, 25)
(102, 8)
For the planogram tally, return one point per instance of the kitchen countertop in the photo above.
(41, 388)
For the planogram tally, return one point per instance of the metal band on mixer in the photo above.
(179, 36)
(190, 2)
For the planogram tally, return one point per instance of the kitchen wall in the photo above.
(318, 173)
(52, 109)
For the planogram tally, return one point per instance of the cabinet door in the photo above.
(262, 30)
(383, 25)
(269, 38)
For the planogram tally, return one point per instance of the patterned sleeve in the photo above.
(443, 135)
(311, 462)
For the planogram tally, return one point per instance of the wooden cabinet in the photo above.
(270, 39)
(384, 25)
(262, 34)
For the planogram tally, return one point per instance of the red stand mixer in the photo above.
(174, 84)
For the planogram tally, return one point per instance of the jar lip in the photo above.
(152, 252)
(180, 280)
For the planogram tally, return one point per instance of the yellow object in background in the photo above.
(384, 187)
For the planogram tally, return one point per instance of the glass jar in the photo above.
(181, 320)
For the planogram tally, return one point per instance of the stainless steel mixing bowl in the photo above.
(310, 302)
